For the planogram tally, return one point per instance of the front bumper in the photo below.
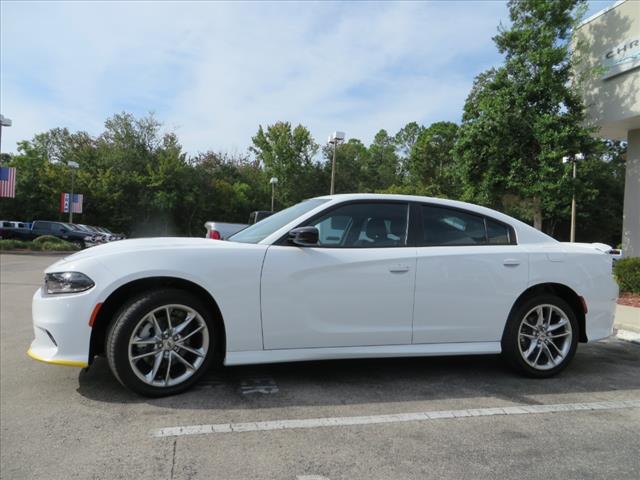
(61, 328)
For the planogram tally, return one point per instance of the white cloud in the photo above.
(215, 71)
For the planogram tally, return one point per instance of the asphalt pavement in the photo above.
(441, 418)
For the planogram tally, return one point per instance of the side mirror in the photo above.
(304, 236)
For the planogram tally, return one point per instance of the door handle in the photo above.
(511, 262)
(399, 268)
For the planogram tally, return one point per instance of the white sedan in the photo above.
(344, 276)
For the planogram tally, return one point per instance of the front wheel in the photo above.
(161, 342)
(541, 336)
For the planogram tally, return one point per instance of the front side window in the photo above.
(261, 230)
(364, 225)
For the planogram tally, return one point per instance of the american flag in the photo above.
(8, 182)
(76, 204)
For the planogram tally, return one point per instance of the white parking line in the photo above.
(392, 418)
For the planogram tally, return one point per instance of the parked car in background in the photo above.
(63, 230)
(221, 230)
(10, 229)
(343, 276)
(258, 215)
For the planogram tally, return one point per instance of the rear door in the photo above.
(469, 273)
(355, 288)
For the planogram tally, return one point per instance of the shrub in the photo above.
(43, 245)
(46, 239)
(14, 244)
(627, 272)
(60, 246)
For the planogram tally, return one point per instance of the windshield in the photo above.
(261, 230)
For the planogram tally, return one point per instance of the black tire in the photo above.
(79, 243)
(129, 318)
(513, 343)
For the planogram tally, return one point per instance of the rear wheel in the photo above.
(161, 342)
(541, 336)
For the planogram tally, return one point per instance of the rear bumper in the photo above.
(601, 314)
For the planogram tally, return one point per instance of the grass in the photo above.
(40, 244)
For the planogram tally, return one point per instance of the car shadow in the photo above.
(605, 366)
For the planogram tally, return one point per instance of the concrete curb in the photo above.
(627, 318)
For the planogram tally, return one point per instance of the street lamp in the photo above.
(574, 159)
(4, 122)
(273, 182)
(335, 138)
(73, 166)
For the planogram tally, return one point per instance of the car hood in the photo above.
(147, 244)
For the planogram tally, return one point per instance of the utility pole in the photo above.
(334, 139)
(273, 182)
(72, 166)
(574, 160)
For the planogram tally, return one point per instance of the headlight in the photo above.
(66, 282)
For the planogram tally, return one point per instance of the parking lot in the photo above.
(455, 417)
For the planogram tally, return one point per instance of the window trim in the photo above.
(420, 239)
(409, 238)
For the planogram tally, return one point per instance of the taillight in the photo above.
(214, 235)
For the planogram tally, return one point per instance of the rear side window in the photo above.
(498, 233)
(444, 226)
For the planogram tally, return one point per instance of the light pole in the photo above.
(72, 166)
(574, 160)
(4, 122)
(334, 138)
(273, 182)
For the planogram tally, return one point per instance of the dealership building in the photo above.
(611, 50)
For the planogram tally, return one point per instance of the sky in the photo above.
(214, 71)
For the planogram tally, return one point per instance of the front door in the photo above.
(354, 289)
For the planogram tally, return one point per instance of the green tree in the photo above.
(287, 153)
(431, 163)
(351, 158)
(381, 169)
(522, 118)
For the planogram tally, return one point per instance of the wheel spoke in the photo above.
(548, 353)
(540, 320)
(168, 310)
(143, 355)
(145, 341)
(191, 350)
(529, 325)
(190, 316)
(556, 326)
(548, 322)
(532, 347)
(559, 335)
(526, 335)
(156, 325)
(556, 348)
(167, 377)
(535, 362)
(156, 366)
(182, 360)
(190, 334)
